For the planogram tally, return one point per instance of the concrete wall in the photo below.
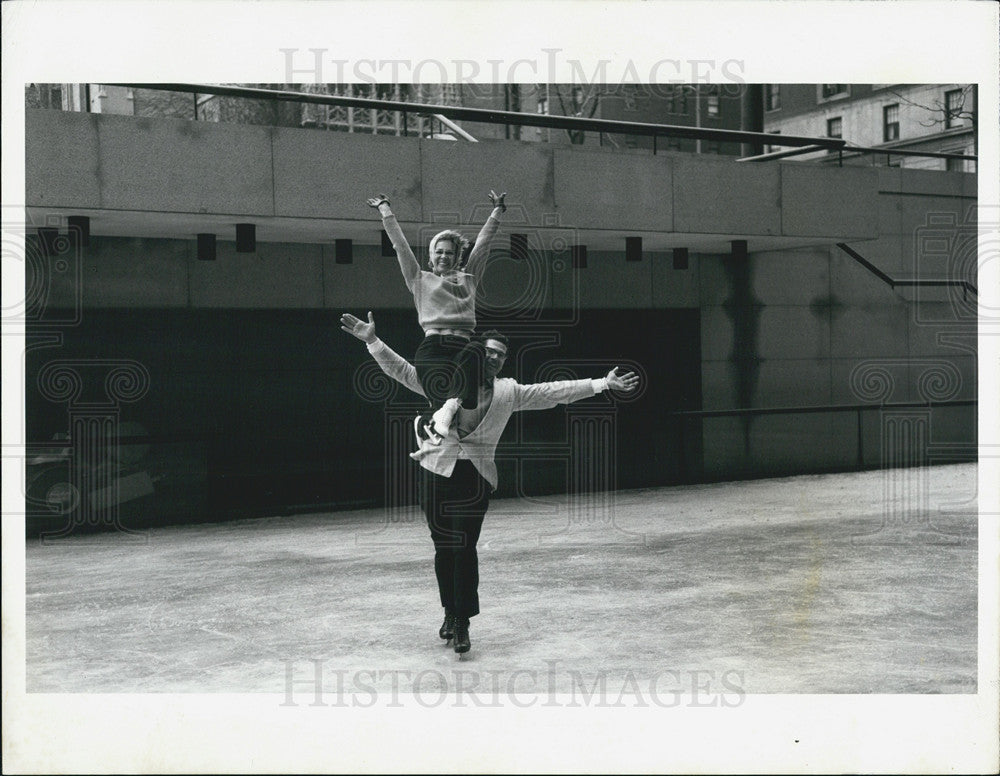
(813, 327)
(119, 272)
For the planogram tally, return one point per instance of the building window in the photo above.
(953, 105)
(772, 97)
(712, 106)
(829, 91)
(543, 106)
(955, 165)
(890, 122)
(835, 127)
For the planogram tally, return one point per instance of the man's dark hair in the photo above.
(493, 334)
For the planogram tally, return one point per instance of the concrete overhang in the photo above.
(313, 231)
(170, 178)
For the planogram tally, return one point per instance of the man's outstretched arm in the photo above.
(543, 396)
(389, 361)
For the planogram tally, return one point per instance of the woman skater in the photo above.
(448, 363)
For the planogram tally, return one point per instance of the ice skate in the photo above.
(425, 431)
(447, 630)
(425, 448)
(462, 643)
(425, 441)
(442, 419)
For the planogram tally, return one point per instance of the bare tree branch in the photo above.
(958, 112)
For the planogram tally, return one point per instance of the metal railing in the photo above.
(448, 114)
(965, 285)
(461, 113)
(852, 150)
(858, 409)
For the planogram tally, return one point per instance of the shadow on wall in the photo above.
(262, 412)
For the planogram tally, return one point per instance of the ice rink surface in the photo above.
(841, 583)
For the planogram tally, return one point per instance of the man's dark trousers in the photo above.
(455, 507)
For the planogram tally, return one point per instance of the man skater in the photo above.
(459, 476)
